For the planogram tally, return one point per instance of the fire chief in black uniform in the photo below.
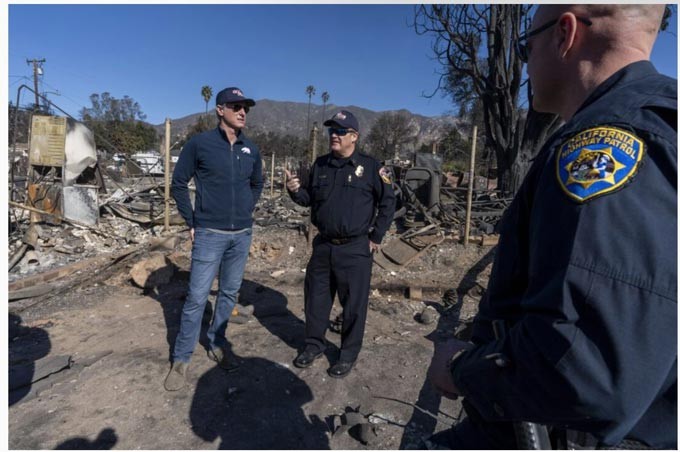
(352, 204)
(585, 276)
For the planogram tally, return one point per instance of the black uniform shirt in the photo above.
(344, 194)
(585, 275)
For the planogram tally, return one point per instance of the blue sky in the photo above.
(161, 55)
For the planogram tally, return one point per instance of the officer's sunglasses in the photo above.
(521, 43)
(237, 107)
(339, 132)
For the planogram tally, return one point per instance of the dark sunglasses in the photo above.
(339, 132)
(521, 43)
(237, 107)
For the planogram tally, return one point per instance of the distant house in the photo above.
(149, 162)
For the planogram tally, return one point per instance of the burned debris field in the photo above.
(98, 275)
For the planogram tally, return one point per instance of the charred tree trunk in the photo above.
(513, 165)
(501, 96)
(474, 44)
(537, 129)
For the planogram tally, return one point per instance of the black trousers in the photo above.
(344, 270)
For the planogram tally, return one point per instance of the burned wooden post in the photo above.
(167, 175)
(271, 185)
(284, 177)
(471, 184)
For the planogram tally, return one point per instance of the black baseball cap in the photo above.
(232, 95)
(343, 119)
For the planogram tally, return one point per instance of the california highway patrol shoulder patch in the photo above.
(597, 161)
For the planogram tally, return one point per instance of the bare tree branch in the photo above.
(475, 46)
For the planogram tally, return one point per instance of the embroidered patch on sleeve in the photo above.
(385, 175)
(597, 161)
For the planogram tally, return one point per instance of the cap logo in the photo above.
(237, 92)
(340, 115)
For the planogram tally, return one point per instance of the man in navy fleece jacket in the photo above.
(227, 170)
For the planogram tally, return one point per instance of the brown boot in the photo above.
(176, 378)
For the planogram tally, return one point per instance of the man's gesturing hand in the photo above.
(292, 182)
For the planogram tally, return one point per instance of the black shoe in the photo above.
(306, 358)
(340, 369)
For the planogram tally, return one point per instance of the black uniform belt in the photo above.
(340, 240)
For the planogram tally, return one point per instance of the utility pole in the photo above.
(37, 70)
(166, 170)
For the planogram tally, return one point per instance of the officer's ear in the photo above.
(567, 26)
(355, 137)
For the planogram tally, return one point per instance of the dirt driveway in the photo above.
(104, 348)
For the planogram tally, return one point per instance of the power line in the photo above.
(64, 95)
(18, 80)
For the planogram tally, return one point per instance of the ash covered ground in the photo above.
(88, 356)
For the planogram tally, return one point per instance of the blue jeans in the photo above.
(211, 252)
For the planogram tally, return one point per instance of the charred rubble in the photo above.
(69, 203)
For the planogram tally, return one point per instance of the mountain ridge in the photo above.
(290, 118)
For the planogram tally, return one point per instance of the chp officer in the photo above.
(585, 276)
(352, 205)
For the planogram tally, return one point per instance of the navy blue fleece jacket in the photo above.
(228, 181)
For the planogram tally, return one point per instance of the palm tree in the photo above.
(324, 97)
(206, 92)
(310, 90)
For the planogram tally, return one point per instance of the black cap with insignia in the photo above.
(344, 119)
(232, 95)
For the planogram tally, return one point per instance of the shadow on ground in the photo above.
(106, 439)
(27, 345)
(257, 407)
(271, 310)
(260, 405)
